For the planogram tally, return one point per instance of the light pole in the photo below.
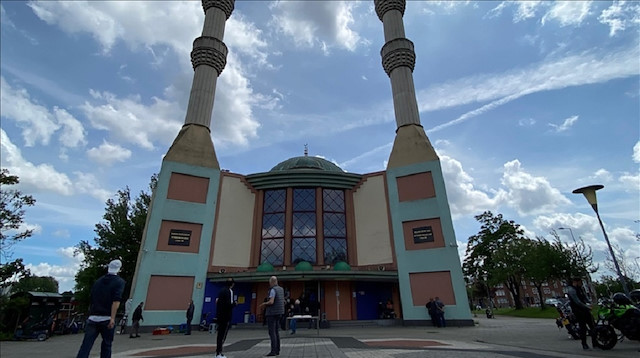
(571, 231)
(486, 284)
(589, 193)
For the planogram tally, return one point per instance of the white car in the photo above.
(551, 301)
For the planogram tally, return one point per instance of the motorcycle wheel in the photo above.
(604, 337)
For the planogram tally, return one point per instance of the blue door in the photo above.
(369, 295)
(241, 291)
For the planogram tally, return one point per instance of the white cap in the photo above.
(114, 266)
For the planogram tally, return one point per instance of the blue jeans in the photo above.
(293, 325)
(273, 324)
(91, 331)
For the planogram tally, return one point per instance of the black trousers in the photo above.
(223, 329)
(585, 319)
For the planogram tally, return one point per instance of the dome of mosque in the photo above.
(306, 162)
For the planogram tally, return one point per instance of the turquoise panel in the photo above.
(152, 262)
(440, 259)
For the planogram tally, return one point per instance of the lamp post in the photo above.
(571, 231)
(589, 193)
(486, 284)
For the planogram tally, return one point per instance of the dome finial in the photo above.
(306, 150)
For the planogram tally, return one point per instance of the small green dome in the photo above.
(265, 267)
(341, 266)
(304, 266)
(306, 162)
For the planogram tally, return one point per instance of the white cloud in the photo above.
(37, 123)
(464, 198)
(525, 10)
(64, 274)
(602, 175)
(620, 15)
(32, 175)
(129, 120)
(73, 133)
(87, 183)
(245, 38)
(636, 152)
(568, 12)
(573, 70)
(108, 153)
(631, 182)
(568, 122)
(526, 122)
(317, 23)
(529, 194)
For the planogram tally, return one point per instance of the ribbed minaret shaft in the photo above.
(398, 61)
(209, 56)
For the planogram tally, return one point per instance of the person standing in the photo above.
(440, 313)
(106, 295)
(274, 313)
(581, 307)
(224, 308)
(137, 317)
(431, 310)
(190, 310)
(295, 310)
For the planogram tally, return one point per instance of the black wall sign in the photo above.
(180, 237)
(422, 234)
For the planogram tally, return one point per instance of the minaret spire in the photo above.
(398, 60)
(193, 144)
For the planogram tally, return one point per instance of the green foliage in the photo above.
(36, 283)
(496, 253)
(118, 236)
(606, 286)
(12, 210)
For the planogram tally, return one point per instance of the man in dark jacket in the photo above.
(190, 310)
(106, 295)
(224, 309)
(137, 317)
(581, 308)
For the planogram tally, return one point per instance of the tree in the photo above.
(544, 261)
(12, 210)
(118, 236)
(497, 252)
(36, 284)
(627, 268)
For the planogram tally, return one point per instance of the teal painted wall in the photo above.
(440, 259)
(152, 262)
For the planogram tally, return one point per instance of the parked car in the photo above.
(552, 301)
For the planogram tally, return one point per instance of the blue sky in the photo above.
(523, 101)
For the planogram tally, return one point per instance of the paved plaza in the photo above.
(502, 337)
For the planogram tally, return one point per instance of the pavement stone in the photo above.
(504, 337)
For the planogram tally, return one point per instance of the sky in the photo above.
(523, 101)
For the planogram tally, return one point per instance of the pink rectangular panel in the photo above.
(179, 236)
(431, 284)
(169, 293)
(415, 187)
(422, 234)
(188, 188)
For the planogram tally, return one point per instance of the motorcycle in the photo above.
(617, 314)
(567, 319)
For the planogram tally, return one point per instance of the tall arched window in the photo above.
(303, 243)
(273, 215)
(335, 226)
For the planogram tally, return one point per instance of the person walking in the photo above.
(581, 308)
(190, 310)
(274, 312)
(137, 317)
(224, 309)
(106, 295)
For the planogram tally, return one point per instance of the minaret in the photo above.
(398, 60)
(177, 238)
(423, 235)
(209, 56)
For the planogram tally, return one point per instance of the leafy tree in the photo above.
(544, 261)
(497, 252)
(12, 210)
(607, 285)
(118, 236)
(627, 268)
(36, 284)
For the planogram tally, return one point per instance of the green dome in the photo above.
(304, 266)
(265, 267)
(341, 266)
(305, 162)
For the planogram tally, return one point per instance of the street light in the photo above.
(486, 284)
(571, 231)
(589, 193)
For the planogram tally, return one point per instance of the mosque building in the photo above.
(343, 242)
